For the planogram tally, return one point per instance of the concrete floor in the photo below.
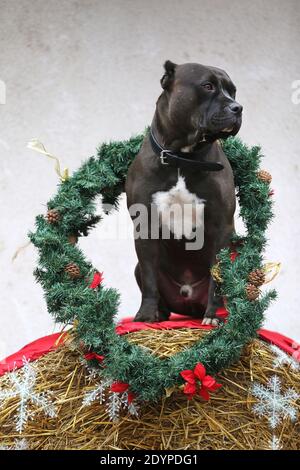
(80, 72)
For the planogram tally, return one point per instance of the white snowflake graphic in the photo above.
(22, 385)
(272, 403)
(281, 358)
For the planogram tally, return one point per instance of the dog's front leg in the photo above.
(216, 301)
(147, 272)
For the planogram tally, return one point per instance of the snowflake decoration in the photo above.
(282, 358)
(115, 402)
(133, 409)
(98, 392)
(92, 374)
(119, 401)
(20, 444)
(275, 443)
(114, 406)
(22, 386)
(273, 404)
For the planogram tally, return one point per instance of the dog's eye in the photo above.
(208, 86)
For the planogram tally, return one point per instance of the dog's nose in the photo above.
(235, 108)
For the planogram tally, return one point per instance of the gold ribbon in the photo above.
(215, 271)
(36, 145)
(169, 391)
(271, 269)
(18, 250)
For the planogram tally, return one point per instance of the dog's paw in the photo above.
(151, 316)
(210, 318)
(210, 321)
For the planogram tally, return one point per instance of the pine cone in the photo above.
(73, 239)
(53, 216)
(252, 292)
(265, 176)
(73, 270)
(257, 278)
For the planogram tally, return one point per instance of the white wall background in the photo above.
(79, 72)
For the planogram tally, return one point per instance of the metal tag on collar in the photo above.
(162, 157)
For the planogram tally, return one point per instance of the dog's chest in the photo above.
(180, 210)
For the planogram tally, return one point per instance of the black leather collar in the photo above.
(185, 160)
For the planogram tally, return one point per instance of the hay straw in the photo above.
(225, 422)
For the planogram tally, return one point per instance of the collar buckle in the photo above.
(162, 157)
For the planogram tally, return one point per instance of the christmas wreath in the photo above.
(75, 293)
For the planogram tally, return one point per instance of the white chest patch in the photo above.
(180, 210)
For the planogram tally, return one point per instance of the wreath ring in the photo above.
(64, 272)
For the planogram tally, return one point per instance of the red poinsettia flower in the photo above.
(197, 382)
(131, 397)
(233, 255)
(97, 279)
(91, 355)
(119, 387)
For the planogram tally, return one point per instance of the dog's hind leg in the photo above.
(164, 311)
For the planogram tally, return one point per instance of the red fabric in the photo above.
(32, 351)
(283, 342)
(49, 343)
(126, 325)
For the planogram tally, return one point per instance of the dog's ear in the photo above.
(169, 74)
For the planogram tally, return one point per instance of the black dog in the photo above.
(182, 163)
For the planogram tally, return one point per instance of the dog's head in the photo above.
(200, 101)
